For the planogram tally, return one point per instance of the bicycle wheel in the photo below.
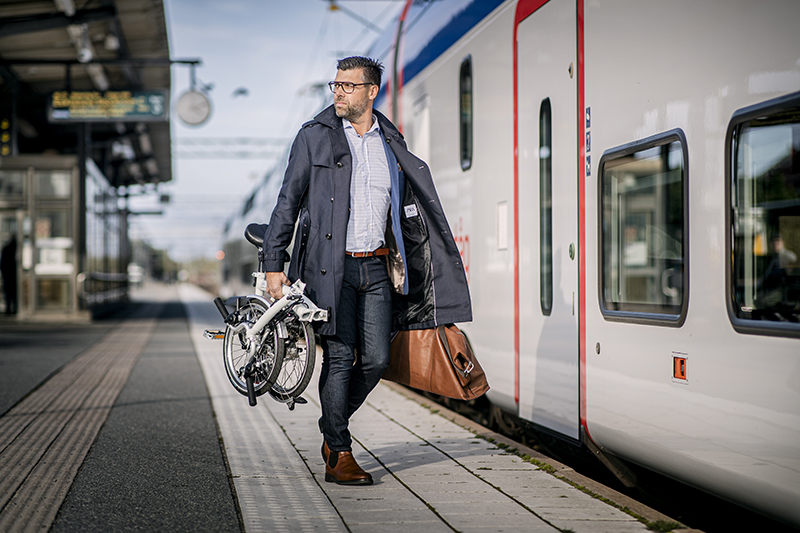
(236, 348)
(298, 362)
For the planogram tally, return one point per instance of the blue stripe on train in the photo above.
(459, 24)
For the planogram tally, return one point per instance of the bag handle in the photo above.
(440, 330)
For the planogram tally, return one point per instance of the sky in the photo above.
(260, 59)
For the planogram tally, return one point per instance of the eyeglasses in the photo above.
(346, 86)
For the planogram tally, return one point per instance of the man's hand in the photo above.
(275, 282)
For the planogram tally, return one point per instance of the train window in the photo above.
(545, 209)
(643, 230)
(764, 218)
(465, 109)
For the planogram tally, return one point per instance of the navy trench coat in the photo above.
(424, 263)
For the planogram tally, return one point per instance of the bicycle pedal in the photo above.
(214, 334)
(300, 400)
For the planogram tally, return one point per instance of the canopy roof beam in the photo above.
(49, 21)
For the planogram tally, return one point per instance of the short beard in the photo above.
(351, 113)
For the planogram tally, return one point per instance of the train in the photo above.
(622, 180)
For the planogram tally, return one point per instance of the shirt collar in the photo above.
(375, 126)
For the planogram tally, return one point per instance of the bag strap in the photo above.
(441, 331)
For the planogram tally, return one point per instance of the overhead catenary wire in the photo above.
(365, 30)
(335, 34)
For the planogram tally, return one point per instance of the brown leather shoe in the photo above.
(326, 452)
(342, 468)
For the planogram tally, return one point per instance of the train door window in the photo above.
(545, 208)
(764, 217)
(421, 129)
(643, 231)
(465, 109)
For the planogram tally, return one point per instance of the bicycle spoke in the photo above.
(237, 351)
(298, 362)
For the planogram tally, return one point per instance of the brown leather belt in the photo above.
(379, 251)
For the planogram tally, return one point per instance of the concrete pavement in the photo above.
(131, 424)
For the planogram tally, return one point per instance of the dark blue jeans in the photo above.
(354, 359)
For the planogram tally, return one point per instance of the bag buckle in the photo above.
(467, 370)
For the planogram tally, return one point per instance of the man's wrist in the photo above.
(272, 266)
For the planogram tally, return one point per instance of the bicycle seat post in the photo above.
(255, 233)
(261, 258)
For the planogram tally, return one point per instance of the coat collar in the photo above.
(328, 118)
(388, 128)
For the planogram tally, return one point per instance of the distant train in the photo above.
(623, 182)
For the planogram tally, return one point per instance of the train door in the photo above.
(548, 217)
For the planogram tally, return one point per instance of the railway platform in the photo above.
(130, 423)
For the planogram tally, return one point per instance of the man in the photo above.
(776, 276)
(784, 257)
(8, 268)
(372, 244)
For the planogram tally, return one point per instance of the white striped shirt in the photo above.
(370, 188)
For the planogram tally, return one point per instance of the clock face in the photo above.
(194, 108)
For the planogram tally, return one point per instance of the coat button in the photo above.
(388, 140)
(328, 236)
(339, 164)
(323, 271)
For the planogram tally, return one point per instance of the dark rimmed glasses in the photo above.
(346, 86)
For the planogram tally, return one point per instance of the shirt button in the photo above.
(328, 236)
(323, 271)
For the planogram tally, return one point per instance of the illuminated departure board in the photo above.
(113, 106)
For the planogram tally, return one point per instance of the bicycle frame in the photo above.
(302, 306)
(273, 320)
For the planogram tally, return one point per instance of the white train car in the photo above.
(623, 181)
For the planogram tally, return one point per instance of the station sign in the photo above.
(107, 106)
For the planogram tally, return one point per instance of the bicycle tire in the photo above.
(235, 351)
(298, 362)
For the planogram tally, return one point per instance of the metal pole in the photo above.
(84, 152)
(14, 118)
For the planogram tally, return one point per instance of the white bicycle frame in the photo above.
(303, 308)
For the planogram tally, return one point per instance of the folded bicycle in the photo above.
(268, 345)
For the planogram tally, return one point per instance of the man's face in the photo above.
(353, 106)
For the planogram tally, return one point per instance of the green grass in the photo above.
(663, 526)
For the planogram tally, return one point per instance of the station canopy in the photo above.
(96, 70)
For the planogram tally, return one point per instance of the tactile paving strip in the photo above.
(45, 438)
(275, 489)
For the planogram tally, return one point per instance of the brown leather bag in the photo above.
(437, 360)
